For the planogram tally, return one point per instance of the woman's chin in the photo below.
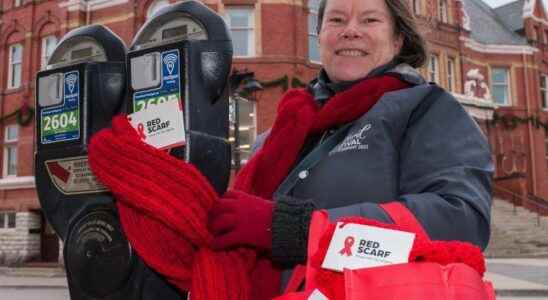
(349, 76)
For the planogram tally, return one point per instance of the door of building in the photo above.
(49, 242)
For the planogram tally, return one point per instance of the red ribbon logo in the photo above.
(348, 243)
(141, 131)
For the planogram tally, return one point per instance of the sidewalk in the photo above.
(519, 277)
(32, 277)
(511, 277)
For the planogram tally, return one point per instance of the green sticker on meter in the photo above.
(62, 122)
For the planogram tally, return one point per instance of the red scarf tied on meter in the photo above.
(163, 202)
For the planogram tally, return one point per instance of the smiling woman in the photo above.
(368, 130)
(356, 37)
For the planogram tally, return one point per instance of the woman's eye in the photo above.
(370, 20)
(336, 20)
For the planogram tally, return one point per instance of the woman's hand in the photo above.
(241, 219)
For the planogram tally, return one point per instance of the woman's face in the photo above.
(356, 37)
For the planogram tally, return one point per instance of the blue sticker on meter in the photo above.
(62, 122)
(169, 88)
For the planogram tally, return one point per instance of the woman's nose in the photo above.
(351, 31)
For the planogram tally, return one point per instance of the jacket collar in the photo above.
(323, 89)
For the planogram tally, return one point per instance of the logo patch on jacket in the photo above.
(355, 141)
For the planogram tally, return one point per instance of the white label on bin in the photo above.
(356, 246)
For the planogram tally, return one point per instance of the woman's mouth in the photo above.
(351, 52)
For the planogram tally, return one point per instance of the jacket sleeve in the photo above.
(445, 174)
(444, 180)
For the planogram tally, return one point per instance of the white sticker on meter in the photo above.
(161, 125)
(73, 176)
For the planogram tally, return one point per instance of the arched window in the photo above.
(156, 6)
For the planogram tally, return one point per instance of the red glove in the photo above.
(241, 219)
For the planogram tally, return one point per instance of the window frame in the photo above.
(546, 150)
(251, 29)
(543, 91)
(5, 222)
(417, 7)
(12, 84)
(43, 51)
(508, 89)
(451, 73)
(10, 144)
(251, 129)
(443, 11)
(312, 32)
(436, 69)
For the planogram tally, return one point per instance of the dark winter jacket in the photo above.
(417, 145)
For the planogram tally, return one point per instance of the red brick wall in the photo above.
(284, 45)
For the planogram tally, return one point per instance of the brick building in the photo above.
(493, 60)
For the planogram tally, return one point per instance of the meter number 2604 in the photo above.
(66, 121)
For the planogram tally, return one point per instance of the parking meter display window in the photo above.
(73, 176)
(50, 89)
(61, 123)
(170, 79)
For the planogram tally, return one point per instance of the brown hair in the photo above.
(413, 50)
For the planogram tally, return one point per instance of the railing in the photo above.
(532, 202)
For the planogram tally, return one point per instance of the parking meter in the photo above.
(184, 53)
(82, 88)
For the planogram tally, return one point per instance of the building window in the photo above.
(48, 46)
(243, 117)
(17, 3)
(546, 149)
(442, 11)
(500, 88)
(433, 68)
(155, 7)
(11, 136)
(544, 91)
(417, 7)
(313, 46)
(241, 23)
(15, 66)
(7, 220)
(451, 74)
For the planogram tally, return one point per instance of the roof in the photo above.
(511, 15)
(487, 27)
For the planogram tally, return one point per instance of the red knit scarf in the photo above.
(163, 202)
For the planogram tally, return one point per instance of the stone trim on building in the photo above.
(22, 243)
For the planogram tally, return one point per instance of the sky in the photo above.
(496, 3)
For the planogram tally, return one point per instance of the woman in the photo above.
(411, 143)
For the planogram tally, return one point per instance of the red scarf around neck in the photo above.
(163, 202)
(299, 116)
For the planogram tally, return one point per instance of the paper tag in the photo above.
(356, 246)
(161, 125)
(317, 295)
